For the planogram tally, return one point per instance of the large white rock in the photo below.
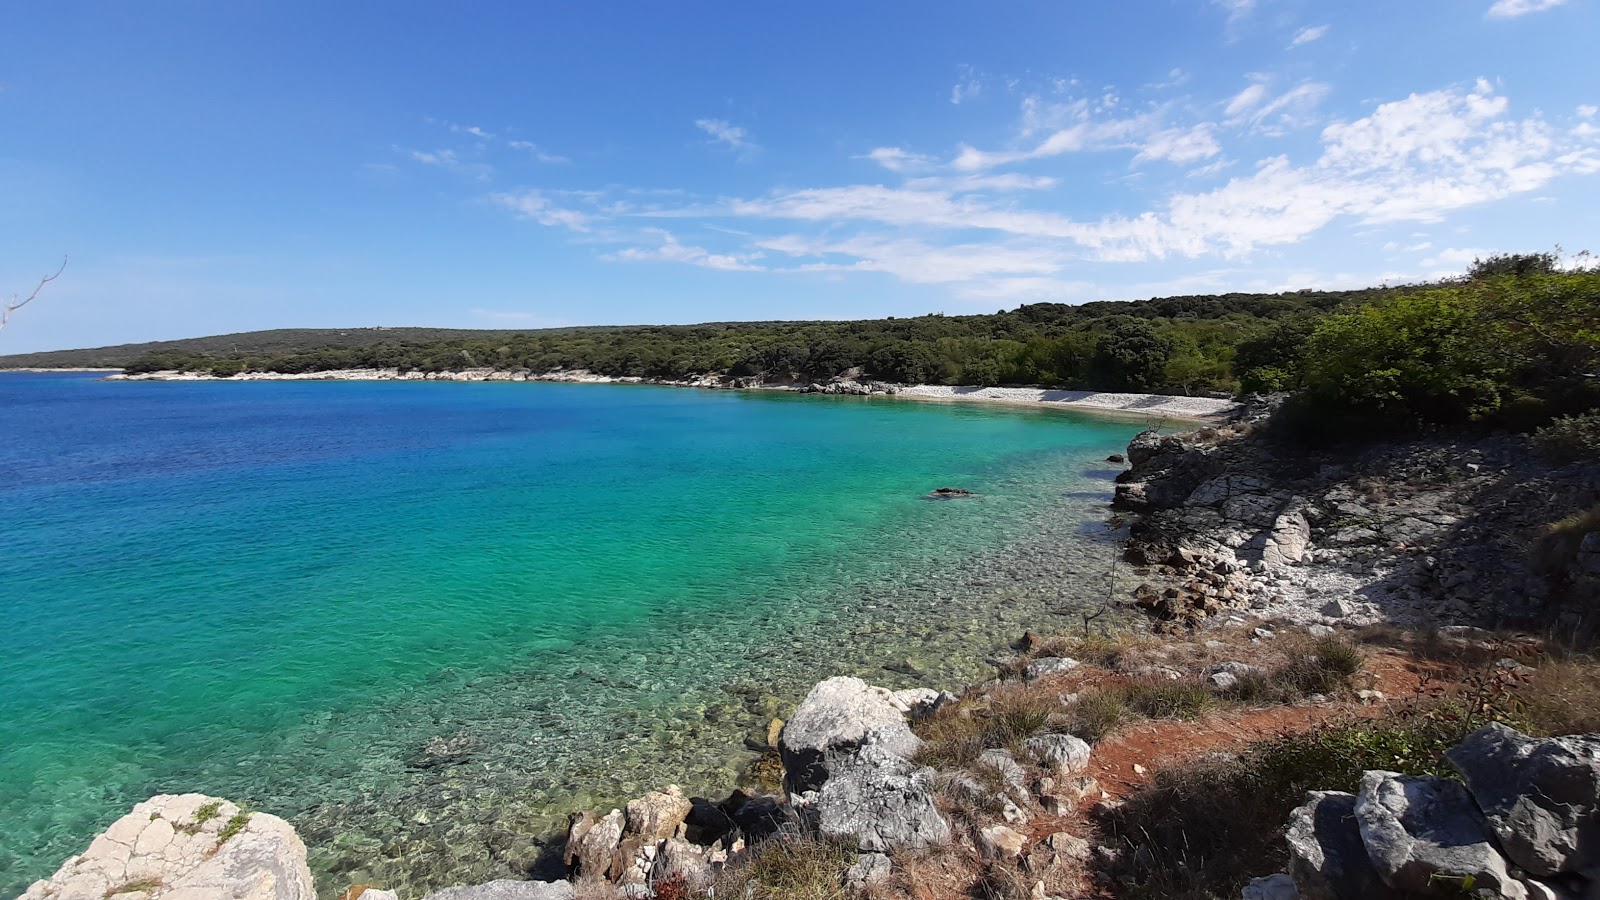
(836, 719)
(881, 801)
(178, 847)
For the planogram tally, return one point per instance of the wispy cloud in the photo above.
(1181, 145)
(1511, 9)
(897, 159)
(967, 87)
(967, 223)
(1308, 34)
(451, 161)
(537, 152)
(671, 250)
(1258, 108)
(729, 135)
(533, 204)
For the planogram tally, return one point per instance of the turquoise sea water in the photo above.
(422, 620)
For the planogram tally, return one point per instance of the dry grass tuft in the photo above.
(788, 868)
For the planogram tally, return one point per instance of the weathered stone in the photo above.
(1001, 763)
(869, 868)
(178, 843)
(657, 815)
(1327, 859)
(592, 844)
(1000, 842)
(835, 719)
(1288, 541)
(1049, 665)
(681, 861)
(1272, 887)
(1222, 680)
(1425, 835)
(1062, 754)
(1541, 797)
(507, 889)
(1064, 845)
(879, 799)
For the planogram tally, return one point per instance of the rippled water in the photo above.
(423, 620)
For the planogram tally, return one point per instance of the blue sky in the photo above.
(216, 167)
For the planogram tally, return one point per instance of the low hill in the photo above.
(274, 342)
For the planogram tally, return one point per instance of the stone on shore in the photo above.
(657, 815)
(1541, 797)
(835, 719)
(879, 799)
(186, 847)
(592, 844)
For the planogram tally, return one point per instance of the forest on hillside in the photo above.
(1176, 344)
(1513, 344)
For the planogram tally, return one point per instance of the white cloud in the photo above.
(1256, 107)
(1246, 100)
(897, 159)
(1181, 145)
(533, 204)
(1511, 9)
(1415, 159)
(535, 151)
(723, 132)
(1086, 134)
(452, 161)
(968, 87)
(969, 223)
(1588, 111)
(1308, 34)
(1237, 9)
(670, 250)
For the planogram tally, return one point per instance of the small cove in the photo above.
(421, 621)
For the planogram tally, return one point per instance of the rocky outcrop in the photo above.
(835, 721)
(1228, 519)
(1539, 796)
(879, 799)
(186, 847)
(1524, 824)
(1425, 835)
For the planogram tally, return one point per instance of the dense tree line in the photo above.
(1177, 344)
(1514, 344)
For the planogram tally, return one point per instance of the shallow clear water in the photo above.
(422, 620)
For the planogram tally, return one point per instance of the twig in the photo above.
(12, 305)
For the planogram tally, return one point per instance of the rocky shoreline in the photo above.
(850, 384)
(1231, 521)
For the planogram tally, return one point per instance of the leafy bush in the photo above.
(1571, 438)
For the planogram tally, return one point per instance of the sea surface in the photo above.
(422, 621)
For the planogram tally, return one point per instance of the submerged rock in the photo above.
(507, 889)
(186, 847)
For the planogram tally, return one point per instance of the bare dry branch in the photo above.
(14, 304)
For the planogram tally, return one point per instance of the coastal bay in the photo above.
(422, 621)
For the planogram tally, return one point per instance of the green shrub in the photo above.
(1207, 828)
(1571, 438)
